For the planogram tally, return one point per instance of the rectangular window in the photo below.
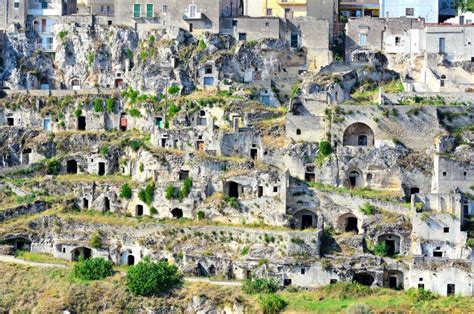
(44, 5)
(192, 10)
(242, 36)
(442, 45)
(16, 5)
(164, 9)
(362, 39)
(451, 289)
(149, 10)
(421, 286)
(136, 10)
(397, 41)
(269, 12)
(409, 11)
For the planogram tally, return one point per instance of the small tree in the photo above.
(98, 104)
(149, 278)
(93, 269)
(201, 215)
(110, 104)
(186, 189)
(126, 191)
(53, 167)
(96, 241)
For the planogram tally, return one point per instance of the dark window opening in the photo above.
(260, 191)
(253, 153)
(183, 175)
(10, 121)
(286, 282)
(177, 213)
(130, 260)
(101, 168)
(362, 140)
(106, 204)
(303, 271)
(351, 225)
(298, 131)
(364, 279)
(275, 189)
(390, 244)
(451, 289)
(139, 210)
(446, 230)
(85, 203)
(306, 221)
(81, 123)
(421, 286)
(332, 281)
(71, 167)
(392, 282)
(437, 254)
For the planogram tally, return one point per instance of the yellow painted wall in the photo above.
(298, 7)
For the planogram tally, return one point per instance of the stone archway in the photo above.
(348, 223)
(304, 219)
(81, 253)
(392, 242)
(71, 166)
(355, 179)
(358, 134)
(365, 279)
(177, 213)
(232, 189)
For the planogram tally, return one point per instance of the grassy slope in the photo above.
(337, 298)
(24, 288)
(51, 290)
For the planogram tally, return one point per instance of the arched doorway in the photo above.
(81, 253)
(393, 279)
(348, 223)
(355, 179)
(20, 244)
(71, 166)
(130, 260)
(232, 189)
(305, 219)
(177, 213)
(358, 134)
(392, 243)
(364, 279)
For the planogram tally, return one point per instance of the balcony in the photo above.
(292, 2)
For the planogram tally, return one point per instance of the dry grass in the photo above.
(46, 290)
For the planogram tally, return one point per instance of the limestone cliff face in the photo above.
(106, 56)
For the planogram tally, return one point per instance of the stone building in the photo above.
(196, 16)
(13, 11)
(359, 8)
(41, 18)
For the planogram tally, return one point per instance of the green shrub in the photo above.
(186, 189)
(171, 192)
(421, 294)
(260, 285)
(202, 45)
(173, 110)
(380, 249)
(126, 191)
(149, 278)
(134, 113)
(93, 269)
(174, 89)
(201, 215)
(325, 148)
(53, 167)
(135, 144)
(95, 241)
(367, 208)
(153, 211)
(233, 202)
(62, 34)
(470, 243)
(147, 194)
(104, 150)
(77, 112)
(271, 303)
(98, 104)
(110, 104)
(245, 251)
